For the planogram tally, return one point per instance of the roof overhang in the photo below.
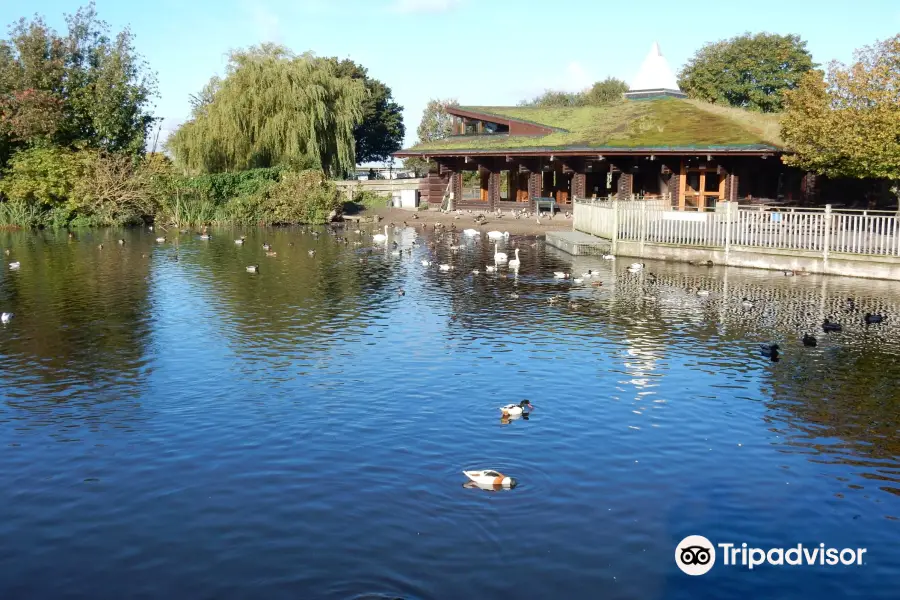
(593, 152)
(531, 126)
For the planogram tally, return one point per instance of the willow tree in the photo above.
(273, 108)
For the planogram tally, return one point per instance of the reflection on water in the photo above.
(173, 425)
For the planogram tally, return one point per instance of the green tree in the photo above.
(81, 89)
(848, 123)
(436, 124)
(608, 91)
(555, 99)
(749, 71)
(273, 108)
(381, 131)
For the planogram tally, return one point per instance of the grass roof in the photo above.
(659, 123)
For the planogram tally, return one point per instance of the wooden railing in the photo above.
(818, 230)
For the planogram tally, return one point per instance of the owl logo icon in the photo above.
(695, 555)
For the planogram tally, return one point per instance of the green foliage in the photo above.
(604, 92)
(436, 123)
(84, 89)
(848, 123)
(381, 131)
(367, 200)
(41, 177)
(749, 71)
(304, 197)
(273, 109)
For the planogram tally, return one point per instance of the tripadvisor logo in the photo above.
(696, 555)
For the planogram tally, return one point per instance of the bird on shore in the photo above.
(830, 327)
(6, 317)
(873, 319)
(770, 351)
(809, 341)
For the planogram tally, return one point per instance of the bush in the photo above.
(304, 197)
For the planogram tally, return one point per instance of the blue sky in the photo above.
(479, 51)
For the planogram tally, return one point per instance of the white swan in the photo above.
(514, 263)
(499, 257)
(381, 237)
(471, 232)
(426, 263)
(634, 267)
(497, 235)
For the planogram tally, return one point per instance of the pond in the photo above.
(174, 426)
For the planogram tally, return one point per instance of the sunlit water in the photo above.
(186, 429)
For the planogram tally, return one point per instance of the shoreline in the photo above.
(507, 222)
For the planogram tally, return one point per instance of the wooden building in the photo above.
(653, 143)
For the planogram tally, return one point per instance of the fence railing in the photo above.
(820, 230)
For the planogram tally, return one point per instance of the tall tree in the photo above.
(85, 88)
(749, 71)
(848, 123)
(381, 131)
(273, 108)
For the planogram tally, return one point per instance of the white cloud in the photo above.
(424, 6)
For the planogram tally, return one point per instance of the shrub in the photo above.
(304, 197)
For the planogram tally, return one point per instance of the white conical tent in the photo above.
(655, 75)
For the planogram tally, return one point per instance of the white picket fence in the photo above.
(820, 230)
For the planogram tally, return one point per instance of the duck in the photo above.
(871, 319)
(490, 477)
(121, 242)
(396, 252)
(401, 292)
(829, 327)
(608, 257)
(788, 273)
(253, 269)
(445, 267)
(205, 236)
(426, 263)
(267, 246)
(809, 341)
(512, 410)
(271, 254)
(560, 275)
(747, 303)
(240, 240)
(514, 263)
(381, 237)
(100, 247)
(588, 274)
(476, 272)
(703, 292)
(471, 232)
(635, 267)
(6, 317)
(311, 252)
(490, 268)
(578, 280)
(770, 351)
(160, 240)
(15, 265)
(499, 257)
(850, 305)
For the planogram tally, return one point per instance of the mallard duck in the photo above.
(240, 240)
(809, 341)
(770, 351)
(830, 327)
(100, 247)
(267, 247)
(489, 477)
(578, 280)
(6, 317)
(476, 272)
(514, 263)
(253, 268)
(511, 410)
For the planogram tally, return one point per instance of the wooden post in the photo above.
(827, 241)
(579, 186)
(614, 245)
(625, 183)
(455, 189)
(535, 181)
(493, 190)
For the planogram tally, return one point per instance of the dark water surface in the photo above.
(185, 429)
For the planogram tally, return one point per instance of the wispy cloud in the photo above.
(424, 6)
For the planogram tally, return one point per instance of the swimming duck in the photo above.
(578, 280)
(635, 267)
(401, 292)
(608, 257)
(747, 303)
(873, 319)
(809, 341)
(205, 236)
(121, 242)
(100, 247)
(267, 247)
(850, 305)
(6, 317)
(15, 265)
(703, 292)
(497, 235)
(770, 351)
(311, 252)
(240, 240)
(476, 272)
(490, 268)
(426, 263)
(588, 275)
(514, 263)
(489, 477)
(160, 240)
(253, 269)
(511, 410)
(271, 254)
(829, 327)
(445, 267)
(560, 275)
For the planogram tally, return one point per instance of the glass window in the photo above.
(712, 182)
